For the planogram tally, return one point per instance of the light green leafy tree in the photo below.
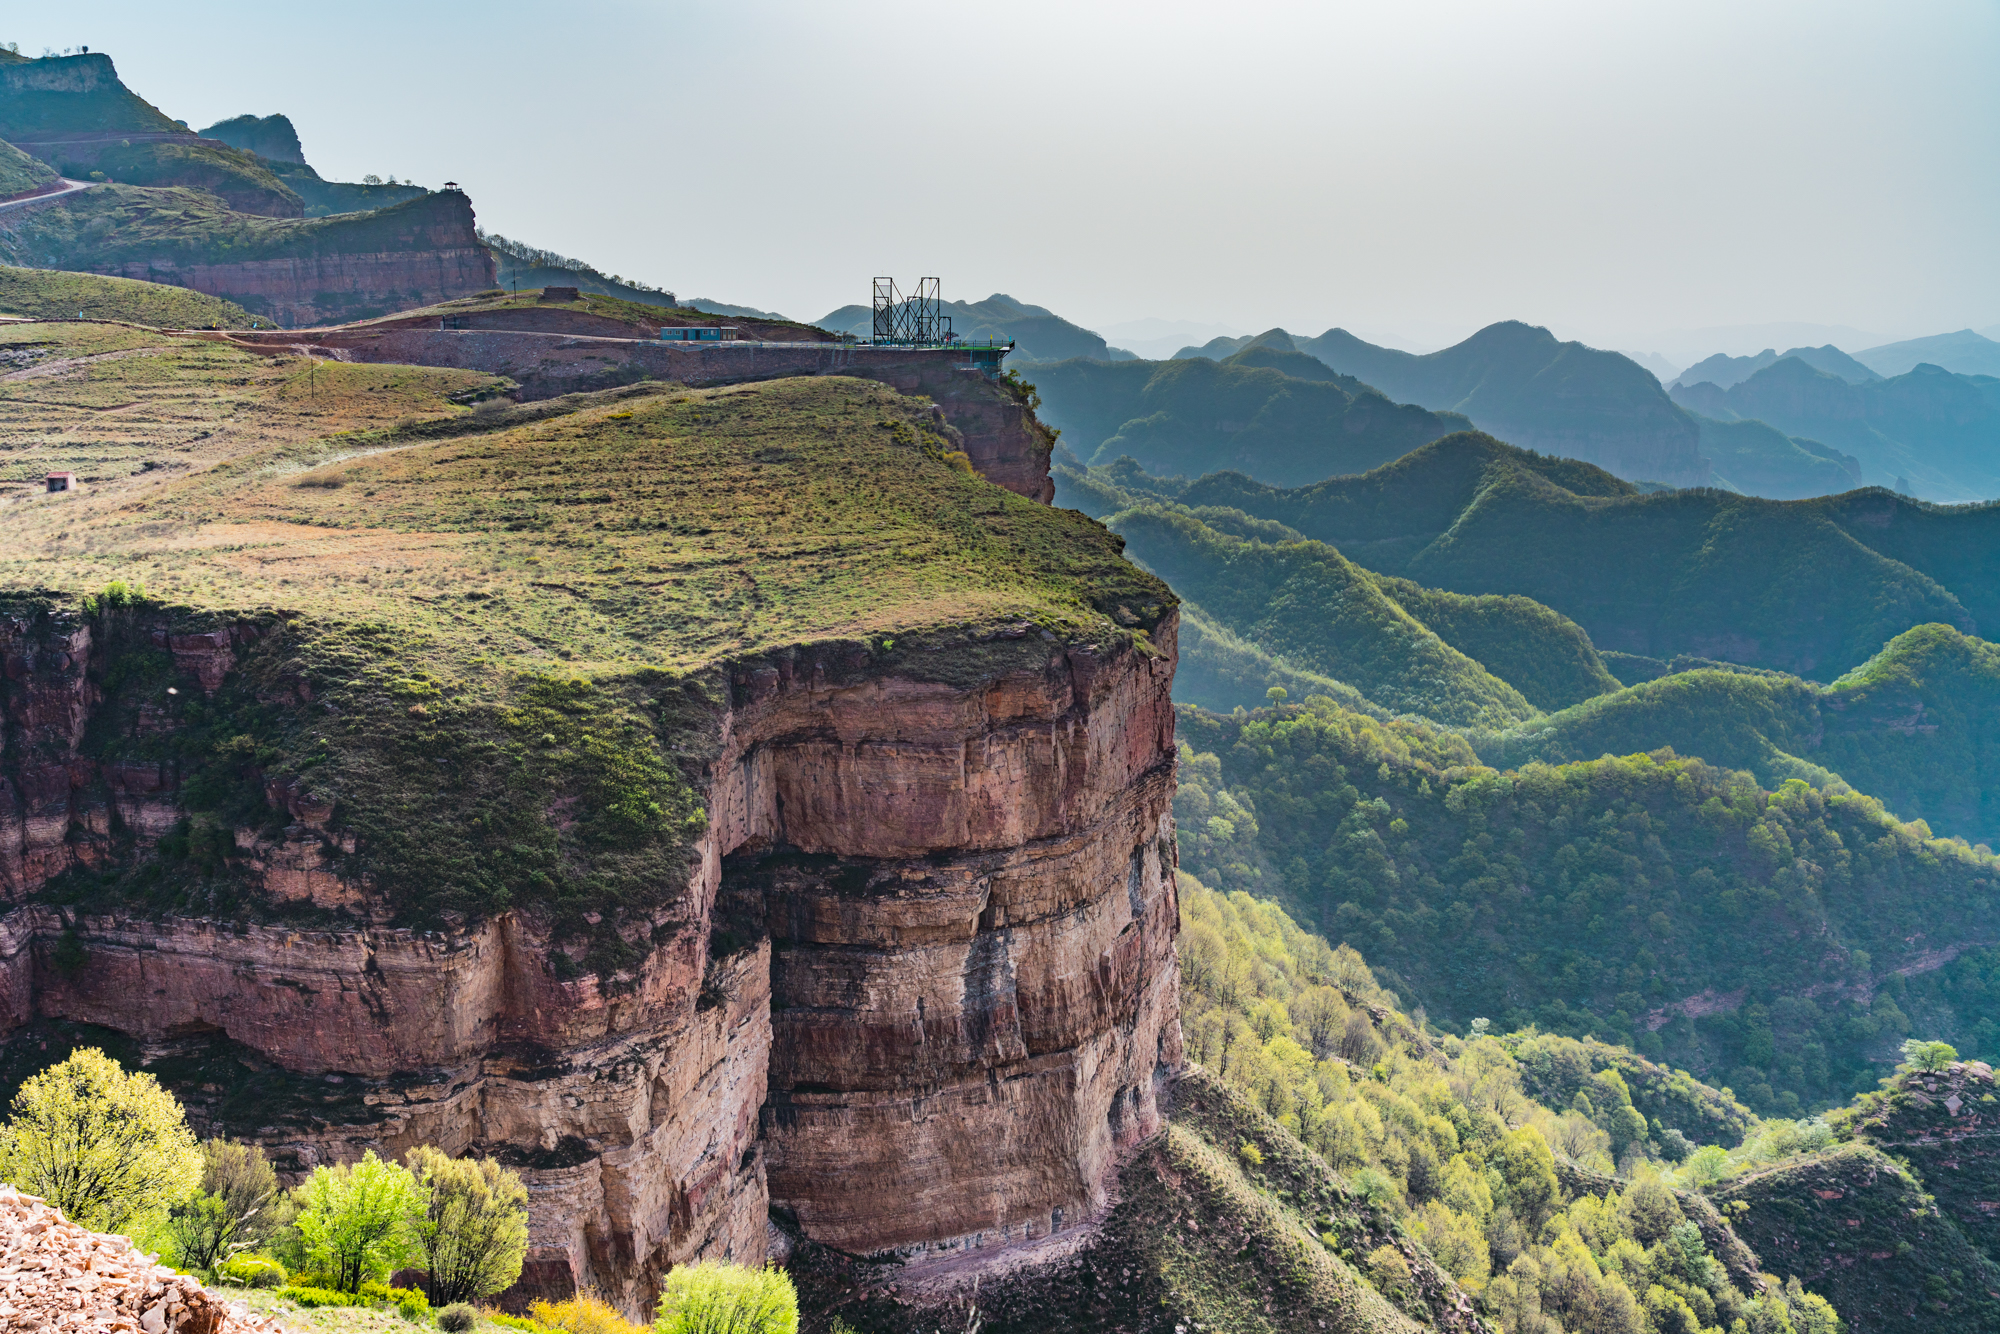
(474, 1228)
(712, 1298)
(103, 1145)
(356, 1220)
(1921, 1055)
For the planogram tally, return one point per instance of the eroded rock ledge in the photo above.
(918, 992)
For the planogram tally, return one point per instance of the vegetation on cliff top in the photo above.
(241, 180)
(112, 404)
(487, 642)
(68, 94)
(51, 294)
(645, 318)
(118, 224)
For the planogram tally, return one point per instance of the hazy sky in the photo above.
(1621, 172)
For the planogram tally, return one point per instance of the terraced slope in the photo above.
(112, 403)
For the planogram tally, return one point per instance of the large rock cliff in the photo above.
(914, 990)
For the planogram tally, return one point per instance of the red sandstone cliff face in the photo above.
(346, 267)
(943, 1003)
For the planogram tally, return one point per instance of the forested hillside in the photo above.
(1496, 1152)
(1782, 942)
(1254, 414)
(1917, 725)
(1814, 587)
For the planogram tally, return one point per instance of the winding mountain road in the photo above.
(69, 188)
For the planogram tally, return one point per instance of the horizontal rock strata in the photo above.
(916, 994)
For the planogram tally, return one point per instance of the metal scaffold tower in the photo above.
(917, 319)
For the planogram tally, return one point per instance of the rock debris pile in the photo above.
(56, 1276)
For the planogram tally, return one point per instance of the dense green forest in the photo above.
(1917, 725)
(1495, 1152)
(1781, 942)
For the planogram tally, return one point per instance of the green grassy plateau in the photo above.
(52, 294)
(486, 604)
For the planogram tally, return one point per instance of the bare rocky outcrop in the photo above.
(55, 1275)
(916, 995)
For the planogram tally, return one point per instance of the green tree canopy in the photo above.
(712, 1298)
(101, 1144)
(238, 1206)
(356, 1219)
(474, 1228)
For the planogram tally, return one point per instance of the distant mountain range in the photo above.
(1520, 383)
(1812, 587)
(1938, 430)
(1724, 371)
(1276, 413)
(1964, 352)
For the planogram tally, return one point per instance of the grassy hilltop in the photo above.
(535, 597)
(52, 294)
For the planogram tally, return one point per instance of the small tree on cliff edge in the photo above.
(474, 1228)
(356, 1220)
(102, 1145)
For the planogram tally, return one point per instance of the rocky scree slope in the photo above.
(713, 802)
(60, 1274)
